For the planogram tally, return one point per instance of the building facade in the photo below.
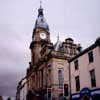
(85, 73)
(59, 70)
(48, 72)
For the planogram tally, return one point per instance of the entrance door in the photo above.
(49, 93)
(85, 98)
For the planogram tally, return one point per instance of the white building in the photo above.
(85, 73)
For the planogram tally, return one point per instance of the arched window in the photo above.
(60, 78)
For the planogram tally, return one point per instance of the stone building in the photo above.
(48, 72)
(22, 90)
(61, 69)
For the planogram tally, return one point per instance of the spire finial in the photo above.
(40, 10)
(40, 3)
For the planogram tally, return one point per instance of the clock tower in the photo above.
(40, 37)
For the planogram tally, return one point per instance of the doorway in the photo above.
(85, 98)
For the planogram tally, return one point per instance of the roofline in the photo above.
(97, 43)
(22, 80)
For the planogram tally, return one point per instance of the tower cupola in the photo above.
(41, 22)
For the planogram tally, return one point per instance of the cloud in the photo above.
(8, 84)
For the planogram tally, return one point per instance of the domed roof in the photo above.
(41, 22)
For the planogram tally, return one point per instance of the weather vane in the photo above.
(40, 3)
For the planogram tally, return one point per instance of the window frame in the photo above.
(93, 78)
(91, 57)
(76, 64)
(61, 78)
(77, 79)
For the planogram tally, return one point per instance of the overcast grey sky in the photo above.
(79, 19)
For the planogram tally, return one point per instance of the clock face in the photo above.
(42, 35)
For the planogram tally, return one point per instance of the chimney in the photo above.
(97, 41)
